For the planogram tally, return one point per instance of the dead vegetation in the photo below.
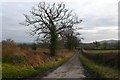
(13, 54)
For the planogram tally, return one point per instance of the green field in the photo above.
(102, 51)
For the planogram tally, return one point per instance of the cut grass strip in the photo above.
(98, 70)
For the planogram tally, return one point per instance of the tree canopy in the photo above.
(51, 20)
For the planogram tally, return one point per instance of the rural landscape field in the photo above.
(55, 40)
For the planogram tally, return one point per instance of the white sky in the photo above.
(100, 18)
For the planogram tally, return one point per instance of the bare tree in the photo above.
(50, 20)
(72, 39)
(97, 44)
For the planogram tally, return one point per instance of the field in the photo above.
(104, 63)
(103, 51)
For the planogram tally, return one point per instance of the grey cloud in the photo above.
(94, 14)
(17, 35)
(93, 21)
(12, 16)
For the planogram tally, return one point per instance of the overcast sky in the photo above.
(100, 18)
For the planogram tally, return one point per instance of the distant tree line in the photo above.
(70, 43)
(99, 45)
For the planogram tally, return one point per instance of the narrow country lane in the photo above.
(71, 69)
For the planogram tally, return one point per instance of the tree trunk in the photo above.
(53, 45)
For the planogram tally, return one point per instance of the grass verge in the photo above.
(99, 71)
(106, 59)
(12, 71)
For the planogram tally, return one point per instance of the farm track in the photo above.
(71, 69)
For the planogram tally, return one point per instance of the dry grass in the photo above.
(31, 57)
(19, 62)
(18, 56)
